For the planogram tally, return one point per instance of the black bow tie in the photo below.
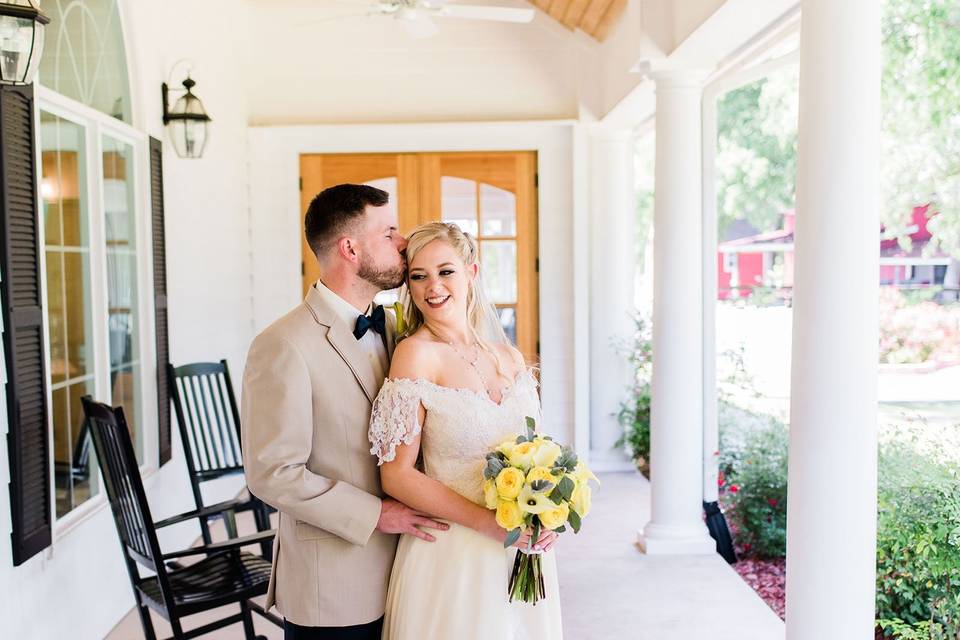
(376, 321)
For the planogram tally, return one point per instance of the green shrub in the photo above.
(754, 466)
(634, 414)
(918, 545)
(634, 417)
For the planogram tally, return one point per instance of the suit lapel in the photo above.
(341, 339)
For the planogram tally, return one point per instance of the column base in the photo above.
(657, 539)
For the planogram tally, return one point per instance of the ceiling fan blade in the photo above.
(418, 24)
(476, 12)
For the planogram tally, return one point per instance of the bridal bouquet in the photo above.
(534, 483)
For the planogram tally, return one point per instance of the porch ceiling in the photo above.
(594, 17)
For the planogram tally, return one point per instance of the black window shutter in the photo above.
(28, 438)
(160, 297)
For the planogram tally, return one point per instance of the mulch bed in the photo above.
(769, 579)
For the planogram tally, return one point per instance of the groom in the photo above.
(310, 380)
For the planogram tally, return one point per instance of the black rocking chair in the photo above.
(225, 576)
(209, 422)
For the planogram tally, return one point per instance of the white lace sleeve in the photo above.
(394, 419)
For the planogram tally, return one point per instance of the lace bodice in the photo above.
(460, 428)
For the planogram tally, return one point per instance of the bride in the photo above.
(456, 389)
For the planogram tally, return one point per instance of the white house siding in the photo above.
(78, 588)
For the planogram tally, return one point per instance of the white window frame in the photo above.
(96, 125)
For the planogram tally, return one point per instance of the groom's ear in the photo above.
(347, 249)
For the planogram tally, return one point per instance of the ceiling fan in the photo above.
(417, 16)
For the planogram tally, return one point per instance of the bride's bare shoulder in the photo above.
(415, 357)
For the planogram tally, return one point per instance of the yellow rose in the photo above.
(509, 483)
(506, 447)
(580, 500)
(522, 455)
(490, 494)
(555, 518)
(509, 515)
(540, 473)
(582, 474)
(532, 501)
(547, 453)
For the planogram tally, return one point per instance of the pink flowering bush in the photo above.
(919, 332)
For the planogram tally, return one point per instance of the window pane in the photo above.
(75, 468)
(122, 313)
(84, 57)
(498, 259)
(68, 303)
(498, 211)
(390, 186)
(508, 320)
(458, 203)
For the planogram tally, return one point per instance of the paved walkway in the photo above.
(610, 590)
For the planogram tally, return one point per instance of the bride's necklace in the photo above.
(473, 362)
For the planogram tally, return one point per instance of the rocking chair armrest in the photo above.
(212, 510)
(226, 545)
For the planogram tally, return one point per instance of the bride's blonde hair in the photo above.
(482, 318)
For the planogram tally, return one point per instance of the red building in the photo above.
(747, 260)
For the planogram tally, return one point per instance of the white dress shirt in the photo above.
(372, 343)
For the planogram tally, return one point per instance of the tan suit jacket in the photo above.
(308, 389)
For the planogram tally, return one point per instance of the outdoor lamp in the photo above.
(187, 121)
(21, 41)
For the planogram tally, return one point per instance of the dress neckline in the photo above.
(504, 393)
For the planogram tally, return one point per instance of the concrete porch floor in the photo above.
(609, 589)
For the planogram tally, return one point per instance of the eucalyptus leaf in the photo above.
(512, 537)
(556, 496)
(541, 485)
(493, 469)
(574, 520)
(566, 487)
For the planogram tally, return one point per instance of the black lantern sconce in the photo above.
(21, 41)
(187, 121)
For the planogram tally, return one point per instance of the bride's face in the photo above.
(439, 282)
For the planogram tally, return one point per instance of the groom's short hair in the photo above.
(333, 211)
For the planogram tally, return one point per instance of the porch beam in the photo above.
(832, 507)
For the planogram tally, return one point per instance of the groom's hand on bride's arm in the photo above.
(396, 517)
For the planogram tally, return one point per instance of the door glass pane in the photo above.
(122, 314)
(498, 212)
(68, 303)
(390, 186)
(508, 320)
(458, 203)
(498, 259)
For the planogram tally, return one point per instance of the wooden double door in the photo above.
(491, 195)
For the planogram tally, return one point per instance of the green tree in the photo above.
(757, 151)
(921, 115)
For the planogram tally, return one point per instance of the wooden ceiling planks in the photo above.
(594, 17)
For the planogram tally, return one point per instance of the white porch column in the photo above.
(613, 268)
(832, 509)
(676, 455)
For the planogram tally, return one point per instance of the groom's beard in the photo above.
(383, 279)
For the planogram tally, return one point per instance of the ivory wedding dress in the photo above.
(456, 587)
